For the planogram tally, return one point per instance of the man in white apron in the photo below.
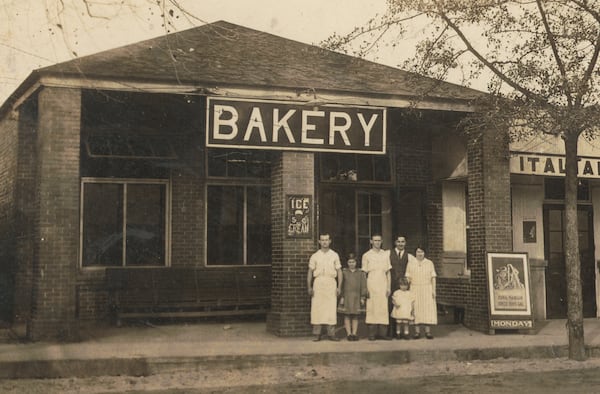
(325, 267)
(376, 263)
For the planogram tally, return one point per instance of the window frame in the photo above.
(245, 183)
(390, 164)
(233, 181)
(126, 181)
(447, 186)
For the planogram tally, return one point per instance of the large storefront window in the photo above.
(124, 223)
(238, 207)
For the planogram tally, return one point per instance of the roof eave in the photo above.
(306, 95)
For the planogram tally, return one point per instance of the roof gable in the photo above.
(222, 53)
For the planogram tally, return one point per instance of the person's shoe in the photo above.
(407, 336)
(355, 338)
(316, 338)
(417, 335)
(385, 338)
(399, 336)
(428, 335)
(350, 338)
(333, 338)
(371, 338)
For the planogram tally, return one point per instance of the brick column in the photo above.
(489, 217)
(25, 209)
(292, 173)
(56, 221)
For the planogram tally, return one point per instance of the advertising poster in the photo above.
(509, 290)
(299, 216)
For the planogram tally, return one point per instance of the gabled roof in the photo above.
(225, 54)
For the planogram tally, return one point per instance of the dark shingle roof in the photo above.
(222, 54)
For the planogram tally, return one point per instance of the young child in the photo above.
(404, 304)
(354, 293)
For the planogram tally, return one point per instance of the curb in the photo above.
(145, 366)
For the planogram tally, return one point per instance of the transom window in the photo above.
(347, 167)
(124, 222)
(231, 163)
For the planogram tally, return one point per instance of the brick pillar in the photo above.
(56, 222)
(292, 173)
(25, 206)
(489, 217)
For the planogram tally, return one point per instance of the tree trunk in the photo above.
(572, 261)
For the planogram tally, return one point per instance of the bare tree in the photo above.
(541, 58)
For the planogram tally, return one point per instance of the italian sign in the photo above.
(552, 165)
(509, 292)
(299, 216)
(277, 125)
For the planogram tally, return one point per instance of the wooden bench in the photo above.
(165, 292)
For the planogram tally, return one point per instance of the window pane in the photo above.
(239, 164)
(225, 225)
(329, 167)
(364, 168)
(145, 230)
(102, 224)
(259, 225)
(376, 225)
(375, 204)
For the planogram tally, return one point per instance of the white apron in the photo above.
(377, 303)
(323, 308)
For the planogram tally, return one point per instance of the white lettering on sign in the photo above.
(278, 123)
(339, 128)
(265, 124)
(367, 127)
(255, 122)
(549, 165)
(511, 324)
(306, 127)
(220, 120)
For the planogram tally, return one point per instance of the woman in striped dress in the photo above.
(421, 274)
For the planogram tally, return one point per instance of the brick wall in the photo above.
(292, 173)
(56, 225)
(489, 218)
(8, 175)
(187, 219)
(25, 199)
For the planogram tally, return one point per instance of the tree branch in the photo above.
(588, 73)
(559, 63)
(526, 92)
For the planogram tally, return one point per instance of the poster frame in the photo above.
(520, 317)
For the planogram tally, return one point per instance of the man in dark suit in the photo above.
(398, 260)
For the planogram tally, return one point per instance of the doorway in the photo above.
(556, 286)
(351, 215)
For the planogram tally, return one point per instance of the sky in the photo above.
(38, 33)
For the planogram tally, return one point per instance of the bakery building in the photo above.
(190, 175)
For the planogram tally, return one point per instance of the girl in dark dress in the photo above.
(354, 293)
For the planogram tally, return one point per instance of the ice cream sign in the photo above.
(286, 125)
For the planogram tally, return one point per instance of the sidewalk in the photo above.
(145, 350)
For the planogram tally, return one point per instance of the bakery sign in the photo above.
(552, 165)
(300, 126)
